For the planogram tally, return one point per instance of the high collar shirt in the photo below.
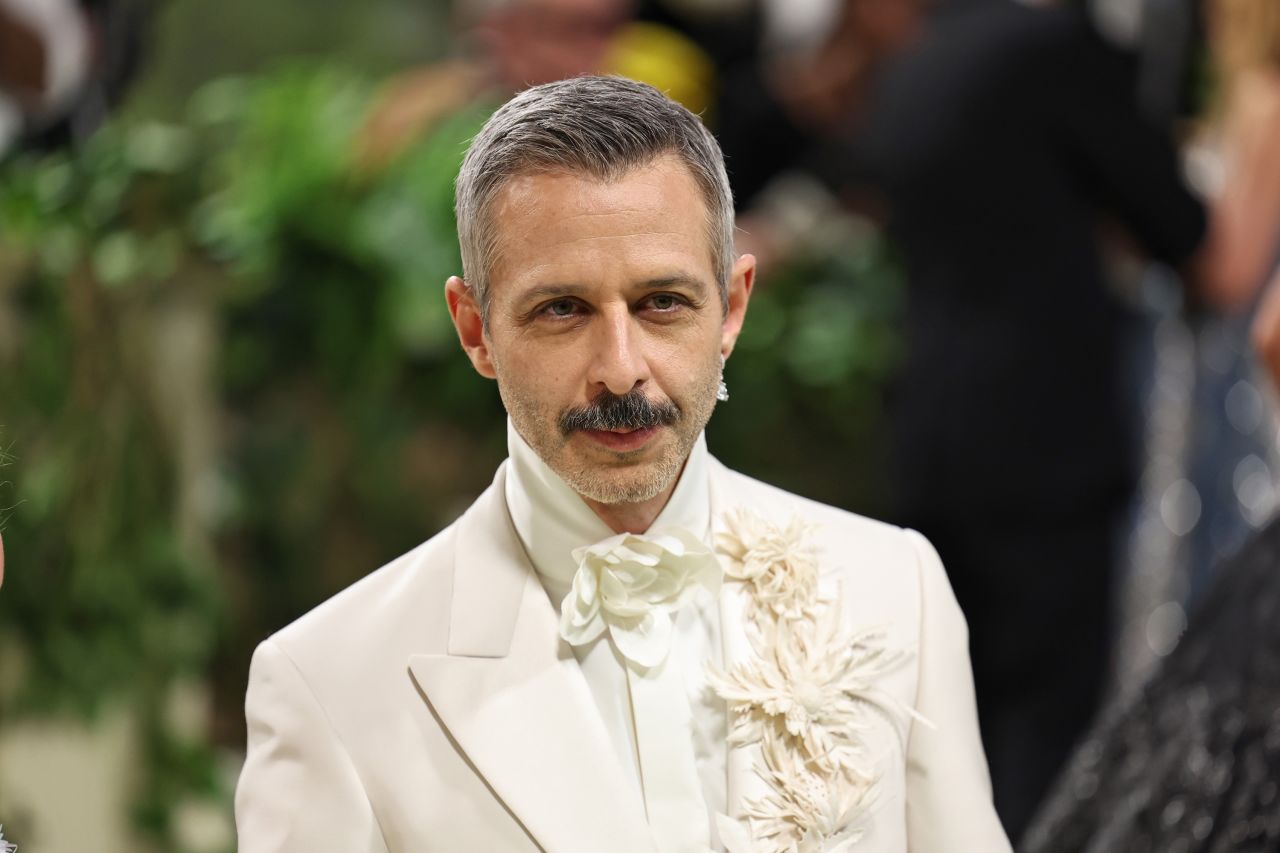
(552, 520)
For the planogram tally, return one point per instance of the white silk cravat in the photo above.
(630, 587)
(669, 729)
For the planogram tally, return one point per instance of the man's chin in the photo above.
(609, 476)
(620, 490)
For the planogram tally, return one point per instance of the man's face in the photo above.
(604, 291)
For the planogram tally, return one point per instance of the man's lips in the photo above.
(622, 440)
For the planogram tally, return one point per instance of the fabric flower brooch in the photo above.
(630, 585)
(807, 696)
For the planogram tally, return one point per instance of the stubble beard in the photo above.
(624, 480)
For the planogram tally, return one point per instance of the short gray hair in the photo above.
(602, 127)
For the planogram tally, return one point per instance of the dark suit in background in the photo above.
(996, 138)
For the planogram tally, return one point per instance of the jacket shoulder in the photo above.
(881, 566)
(775, 502)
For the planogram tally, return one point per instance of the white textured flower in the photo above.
(780, 566)
(812, 685)
(630, 585)
(805, 811)
(808, 696)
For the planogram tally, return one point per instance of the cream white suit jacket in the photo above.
(432, 706)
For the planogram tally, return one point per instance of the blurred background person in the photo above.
(995, 135)
(63, 65)
(1232, 467)
(1191, 762)
(45, 49)
(508, 44)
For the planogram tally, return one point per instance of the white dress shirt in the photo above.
(551, 520)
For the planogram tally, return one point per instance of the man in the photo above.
(732, 667)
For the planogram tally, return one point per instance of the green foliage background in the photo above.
(230, 388)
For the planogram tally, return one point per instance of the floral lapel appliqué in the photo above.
(807, 696)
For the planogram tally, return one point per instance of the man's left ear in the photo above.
(741, 280)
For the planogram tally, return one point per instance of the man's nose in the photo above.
(618, 361)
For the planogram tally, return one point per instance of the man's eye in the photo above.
(561, 308)
(664, 301)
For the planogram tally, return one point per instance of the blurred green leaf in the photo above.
(116, 259)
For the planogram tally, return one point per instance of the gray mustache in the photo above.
(612, 412)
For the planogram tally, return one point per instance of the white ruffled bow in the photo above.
(631, 585)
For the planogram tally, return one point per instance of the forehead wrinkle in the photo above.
(521, 193)
(592, 238)
(532, 232)
(579, 215)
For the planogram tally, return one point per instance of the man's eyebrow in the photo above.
(552, 291)
(563, 289)
(677, 280)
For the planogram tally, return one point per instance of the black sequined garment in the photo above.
(1192, 764)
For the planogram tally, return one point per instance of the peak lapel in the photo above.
(512, 696)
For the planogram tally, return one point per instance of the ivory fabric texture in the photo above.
(434, 705)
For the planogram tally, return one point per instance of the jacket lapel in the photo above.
(513, 698)
(743, 782)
